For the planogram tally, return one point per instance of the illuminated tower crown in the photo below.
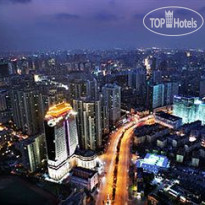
(169, 18)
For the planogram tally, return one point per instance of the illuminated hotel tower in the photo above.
(61, 139)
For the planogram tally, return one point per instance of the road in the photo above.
(106, 185)
(121, 196)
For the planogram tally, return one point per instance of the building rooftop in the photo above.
(167, 116)
(153, 162)
(58, 110)
(85, 153)
(146, 129)
(158, 160)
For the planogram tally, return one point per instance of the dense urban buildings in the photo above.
(82, 85)
(102, 102)
(85, 124)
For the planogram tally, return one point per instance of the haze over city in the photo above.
(31, 25)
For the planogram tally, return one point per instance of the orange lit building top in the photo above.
(58, 110)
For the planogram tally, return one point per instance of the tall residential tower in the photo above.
(89, 123)
(112, 99)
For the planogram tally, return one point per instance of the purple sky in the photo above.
(67, 24)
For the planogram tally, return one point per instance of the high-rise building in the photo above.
(112, 100)
(33, 152)
(5, 106)
(89, 123)
(61, 139)
(159, 95)
(190, 109)
(26, 110)
(171, 89)
(3, 100)
(105, 119)
(137, 79)
(82, 85)
(51, 96)
(157, 76)
(155, 96)
(5, 69)
(202, 113)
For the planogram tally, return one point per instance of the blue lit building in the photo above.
(190, 109)
(152, 163)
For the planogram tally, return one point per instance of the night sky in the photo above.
(27, 25)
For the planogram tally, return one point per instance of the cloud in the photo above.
(15, 1)
(66, 16)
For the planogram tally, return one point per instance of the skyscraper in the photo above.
(3, 100)
(171, 89)
(82, 85)
(89, 123)
(26, 110)
(112, 100)
(5, 106)
(137, 79)
(105, 118)
(61, 139)
(51, 96)
(155, 96)
(157, 76)
(33, 152)
(5, 69)
(190, 109)
(162, 94)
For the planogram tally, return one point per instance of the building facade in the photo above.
(61, 139)
(26, 110)
(190, 109)
(33, 152)
(89, 123)
(112, 100)
(159, 95)
(82, 85)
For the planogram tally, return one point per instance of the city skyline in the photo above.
(102, 102)
(104, 126)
